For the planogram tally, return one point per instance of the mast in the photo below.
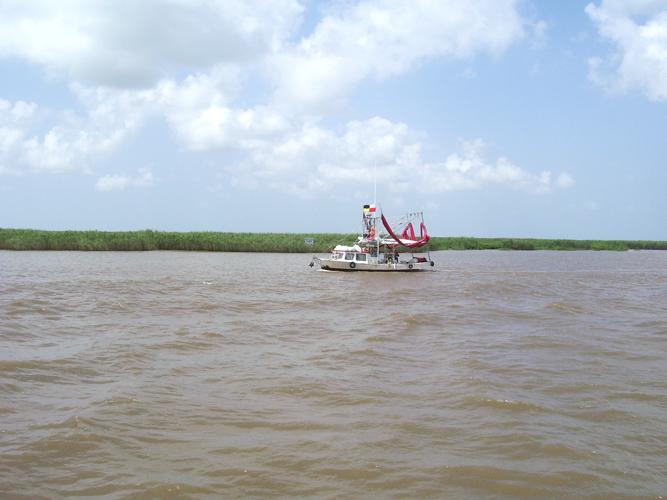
(375, 183)
(375, 195)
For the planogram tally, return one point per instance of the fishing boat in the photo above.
(385, 244)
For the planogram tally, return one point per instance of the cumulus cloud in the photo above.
(216, 125)
(17, 111)
(199, 109)
(564, 181)
(129, 43)
(119, 182)
(637, 31)
(188, 66)
(37, 145)
(314, 160)
(387, 37)
(13, 118)
(469, 169)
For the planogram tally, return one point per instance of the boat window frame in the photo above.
(358, 257)
(349, 256)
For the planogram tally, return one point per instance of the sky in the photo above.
(514, 118)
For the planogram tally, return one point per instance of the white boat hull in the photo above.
(344, 265)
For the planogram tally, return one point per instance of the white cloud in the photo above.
(68, 144)
(112, 182)
(217, 126)
(314, 160)
(118, 182)
(638, 32)
(18, 111)
(199, 109)
(388, 37)
(564, 181)
(122, 65)
(137, 43)
(470, 170)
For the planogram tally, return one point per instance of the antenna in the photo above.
(375, 182)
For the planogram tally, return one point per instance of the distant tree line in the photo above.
(30, 239)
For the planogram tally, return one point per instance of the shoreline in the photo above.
(146, 240)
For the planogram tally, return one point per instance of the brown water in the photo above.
(505, 374)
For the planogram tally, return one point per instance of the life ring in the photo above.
(410, 266)
(352, 265)
(432, 263)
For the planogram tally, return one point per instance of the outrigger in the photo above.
(377, 249)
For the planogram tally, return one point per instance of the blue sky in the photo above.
(495, 117)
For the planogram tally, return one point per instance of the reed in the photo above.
(30, 239)
(467, 243)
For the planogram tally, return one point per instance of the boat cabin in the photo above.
(350, 256)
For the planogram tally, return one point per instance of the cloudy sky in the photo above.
(496, 117)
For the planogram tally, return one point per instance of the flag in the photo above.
(369, 209)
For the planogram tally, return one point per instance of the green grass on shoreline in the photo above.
(31, 239)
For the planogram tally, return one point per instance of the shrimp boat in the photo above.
(380, 248)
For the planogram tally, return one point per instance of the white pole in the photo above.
(375, 182)
(375, 192)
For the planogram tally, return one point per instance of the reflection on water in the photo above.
(207, 374)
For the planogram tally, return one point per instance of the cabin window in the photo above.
(349, 256)
(361, 257)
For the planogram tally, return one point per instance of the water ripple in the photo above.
(203, 375)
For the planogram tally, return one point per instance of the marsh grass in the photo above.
(30, 239)
(466, 243)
